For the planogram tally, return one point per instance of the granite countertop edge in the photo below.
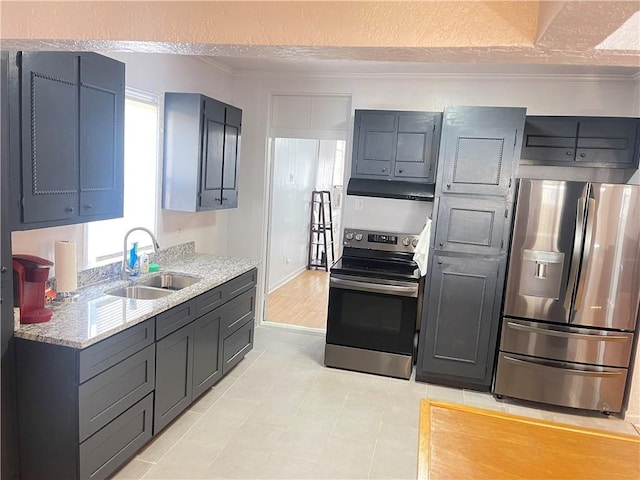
(71, 323)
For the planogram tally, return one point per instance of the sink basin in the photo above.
(170, 281)
(139, 292)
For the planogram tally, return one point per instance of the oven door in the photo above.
(372, 314)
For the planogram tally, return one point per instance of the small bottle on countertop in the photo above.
(144, 263)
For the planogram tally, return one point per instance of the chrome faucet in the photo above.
(126, 270)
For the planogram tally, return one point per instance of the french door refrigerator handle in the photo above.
(575, 335)
(573, 371)
(591, 213)
(575, 256)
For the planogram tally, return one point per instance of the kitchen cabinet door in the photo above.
(550, 139)
(608, 141)
(207, 352)
(462, 309)
(101, 137)
(375, 149)
(212, 153)
(480, 151)
(472, 225)
(174, 376)
(417, 145)
(232, 127)
(49, 136)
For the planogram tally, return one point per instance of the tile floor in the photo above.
(281, 414)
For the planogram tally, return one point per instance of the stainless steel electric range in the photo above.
(375, 299)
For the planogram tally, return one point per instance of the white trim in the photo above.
(316, 332)
(141, 96)
(475, 77)
(212, 63)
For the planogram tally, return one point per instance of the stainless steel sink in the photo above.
(139, 292)
(170, 281)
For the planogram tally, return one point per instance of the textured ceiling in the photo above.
(322, 35)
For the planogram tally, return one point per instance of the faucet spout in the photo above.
(126, 270)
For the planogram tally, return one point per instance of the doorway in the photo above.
(297, 295)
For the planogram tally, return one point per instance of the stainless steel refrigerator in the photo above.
(573, 288)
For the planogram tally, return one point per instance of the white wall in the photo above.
(577, 95)
(156, 74)
(294, 176)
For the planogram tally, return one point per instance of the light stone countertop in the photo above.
(96, 316)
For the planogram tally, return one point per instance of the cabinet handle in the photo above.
(69, 209)
(439, 262)
(569, 152)
(89, 206)
(583, 155)
(448, 186)
(384, 169)
(441, 244)
(3, 269)
(217, 199)
(400, 171)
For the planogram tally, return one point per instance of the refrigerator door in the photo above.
(608, 289)
(545, 250)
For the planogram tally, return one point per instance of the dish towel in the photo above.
(422, 248)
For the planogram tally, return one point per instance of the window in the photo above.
(103, 240)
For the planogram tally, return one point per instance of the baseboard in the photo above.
(287, 279)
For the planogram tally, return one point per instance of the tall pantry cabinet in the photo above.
(477, 165)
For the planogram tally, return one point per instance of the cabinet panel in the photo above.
(107, 450)
(174, 379)
(49, 136)
(550, 139)
(99, 357)
(460, 317)
(480, 148)
(171, 320)
(240, 284)
(101, 139)
(376, 143)
(472, 225)
(236, 346)
(608, 141)
(107, 395)
(239, 311)
(209, 300)
(229, 187)
(207, 354)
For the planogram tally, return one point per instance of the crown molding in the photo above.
(218, 66)
(462, 77)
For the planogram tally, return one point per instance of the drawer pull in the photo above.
(572, 371)
(577, 336)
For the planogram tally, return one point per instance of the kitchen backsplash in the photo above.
(112, 271)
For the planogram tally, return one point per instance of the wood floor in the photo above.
(301, 301)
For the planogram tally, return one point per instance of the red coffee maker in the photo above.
(30, 274)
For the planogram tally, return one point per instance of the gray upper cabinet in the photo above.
(395, 145)
(610, 142)
(479, 145)
(201, 147)
(68, 121)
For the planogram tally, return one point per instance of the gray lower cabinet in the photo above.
(462, 304)
(85, 413)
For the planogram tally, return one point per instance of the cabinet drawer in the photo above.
(241, 284)
(209, 301)
(237, 346)
(171, 320)
(108, 449)
(591, 387)
(97, 358)
(107, 395)
(238, 312)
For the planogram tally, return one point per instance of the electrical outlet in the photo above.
(359, 204)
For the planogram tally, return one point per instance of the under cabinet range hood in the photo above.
(391, 189)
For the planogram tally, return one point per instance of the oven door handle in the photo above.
(403, 291)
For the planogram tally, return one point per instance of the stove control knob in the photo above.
(358, 236)
(349, 236)
(415, 242)
(405, 241)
